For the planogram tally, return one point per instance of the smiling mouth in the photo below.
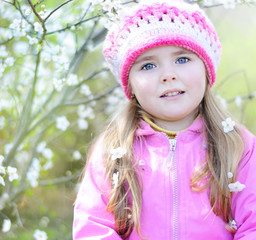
(170, 94)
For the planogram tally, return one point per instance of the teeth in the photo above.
(171, 94)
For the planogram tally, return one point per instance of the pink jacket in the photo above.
(170, 209)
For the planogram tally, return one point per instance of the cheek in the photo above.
(197, 79)
(138, 84)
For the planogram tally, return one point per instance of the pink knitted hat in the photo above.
(153, 23)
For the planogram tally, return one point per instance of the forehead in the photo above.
(174, 50)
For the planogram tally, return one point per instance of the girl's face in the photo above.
(169, 83)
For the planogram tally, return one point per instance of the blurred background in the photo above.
(57, 94)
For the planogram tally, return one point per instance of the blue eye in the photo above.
(148, 66)
(182, 60)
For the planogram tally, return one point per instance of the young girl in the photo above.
(172, 164)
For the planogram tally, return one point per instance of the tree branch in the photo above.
(59, 180)
(6, 41)
(78, 54)
(76, 24)
(35, 12)
(39, 2)
(57, 9)
(98, 97)
(7, 2)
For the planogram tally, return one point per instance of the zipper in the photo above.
(174, 181)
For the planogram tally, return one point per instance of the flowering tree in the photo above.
(53, 82)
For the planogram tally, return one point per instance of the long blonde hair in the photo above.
(223, 154)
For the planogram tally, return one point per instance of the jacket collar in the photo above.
(195, 128)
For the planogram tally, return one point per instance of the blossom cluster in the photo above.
(112, 10)
(40, 235)
(10, 171)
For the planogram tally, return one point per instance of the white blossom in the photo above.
(228, 125)
(3, 199)
(3, 52)
(33, 172)
(229, 3)
(12, 171)
(48, 165)
(1, 159)
(7, 148)
(96, 2)
(28, 11)
(22, 157)
(40, 235)
(85, 90)
(56, 49)
(38, 27)
(41, 146)
(207, 2)
(21, 47)
(141, 163)
(115, 179)
(42, 13)
(230, 174)
(47, 153)
(236, 187)
(77, 155)
(72, 80)
(15, 24)
(44, 221)
(32, 40)
(6, 225)
(2, 181)
(107, 5)
(238, 101)
(117, 153)
(62, 64)
(2, 122)
(62, 123)
(2, 69)
(46, 56)
(18, 28)
(85, 112)
(58, 84)
(112, 17)
(2, 170)
(82, 124)
(232, 224)
(9, 61)
(223, 101)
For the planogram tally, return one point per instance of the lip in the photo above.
(172, 91)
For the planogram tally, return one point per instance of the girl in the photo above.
(172, 164)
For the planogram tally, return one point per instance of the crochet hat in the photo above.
(153, 23)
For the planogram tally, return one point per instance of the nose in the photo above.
(168, 74)
(168, 78)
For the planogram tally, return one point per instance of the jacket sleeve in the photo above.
(244, 202)
(91, 220)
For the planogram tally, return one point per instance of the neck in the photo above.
(176, 125)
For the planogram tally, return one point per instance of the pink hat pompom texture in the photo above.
(153, 23)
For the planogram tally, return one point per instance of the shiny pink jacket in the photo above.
(170, 209)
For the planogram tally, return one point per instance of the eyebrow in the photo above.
(183, 51)
(146, 58)
(176, 53)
